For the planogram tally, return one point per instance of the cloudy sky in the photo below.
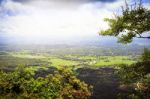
(55, 20)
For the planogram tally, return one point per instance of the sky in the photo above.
(51, 21)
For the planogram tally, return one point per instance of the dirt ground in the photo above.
(105, 83)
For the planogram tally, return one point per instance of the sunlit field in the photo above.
(10, 60)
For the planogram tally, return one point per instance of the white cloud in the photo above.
(34, 22)
(147, 5)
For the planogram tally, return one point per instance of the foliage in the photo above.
(138, 75)
(145, 57)
(133, 22)
(21, 84)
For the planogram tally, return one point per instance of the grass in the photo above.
(61, 62)
(113, 60)
(87, 57)
(27, 55)
(39, 60)
(81, 57)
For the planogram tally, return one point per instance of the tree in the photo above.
(62, 84)
(133, 22)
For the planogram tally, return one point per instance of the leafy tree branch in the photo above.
(133, 22)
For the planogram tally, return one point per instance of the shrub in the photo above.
(137, 75)
(63, 84)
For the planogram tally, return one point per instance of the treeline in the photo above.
(78, 50)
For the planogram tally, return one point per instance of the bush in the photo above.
(21, 84)
(145, 57)
(137, 75)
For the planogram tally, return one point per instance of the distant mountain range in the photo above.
(87, 40)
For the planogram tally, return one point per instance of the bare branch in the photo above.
(127, 7)
(148, 37)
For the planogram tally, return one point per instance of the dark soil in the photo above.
(43, 73)
(104, 81)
